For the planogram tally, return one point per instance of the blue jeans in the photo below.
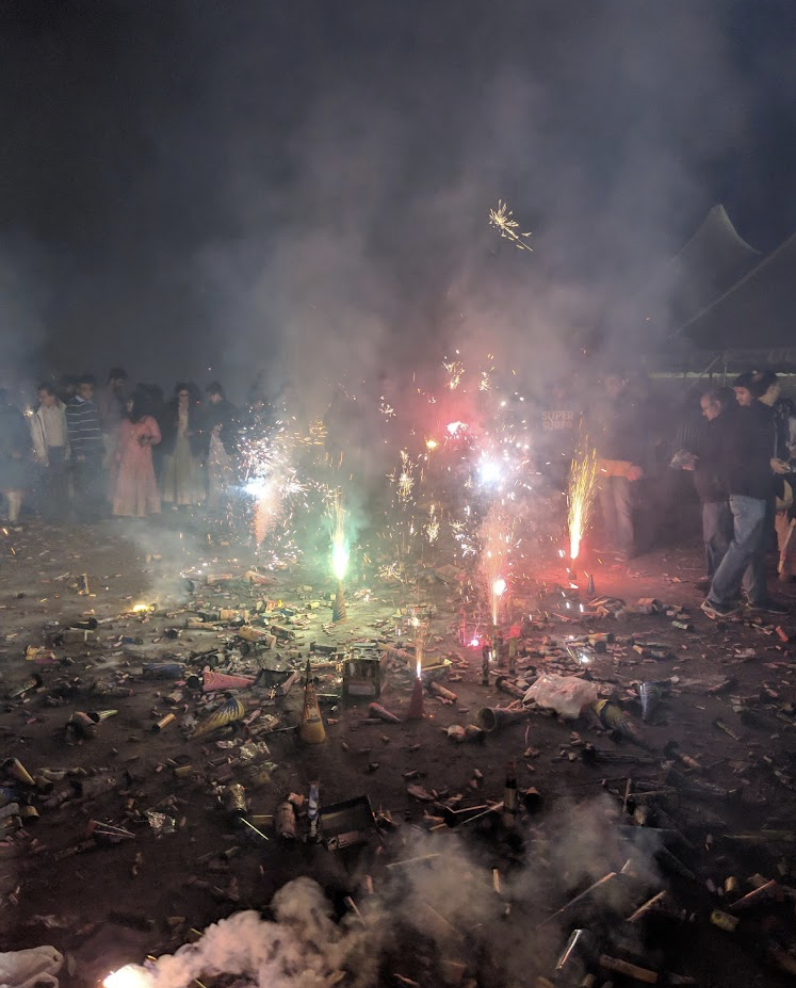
(744, 560)
(716, 533)
(617, 512)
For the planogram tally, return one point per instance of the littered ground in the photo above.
(108, 904)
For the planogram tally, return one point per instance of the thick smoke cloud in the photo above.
(305, 192)
(446, 906)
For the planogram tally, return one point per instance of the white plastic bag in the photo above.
(567, 695)
(26, 968)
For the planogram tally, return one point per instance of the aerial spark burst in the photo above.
(580, 495)
(502, 219)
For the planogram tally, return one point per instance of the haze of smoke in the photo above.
(448, 900)
(169, 557)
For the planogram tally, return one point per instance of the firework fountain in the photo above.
(340, 556)
(580, 496)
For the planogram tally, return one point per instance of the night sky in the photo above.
(201, 189)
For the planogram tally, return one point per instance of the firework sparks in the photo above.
(340, 550)
(497, 590)
(405, 481)
(455, 369)
(502, 219)
(580, 495)
(432, 525)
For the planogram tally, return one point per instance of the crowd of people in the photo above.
(128, 451)
(122, 451)
(743, 460)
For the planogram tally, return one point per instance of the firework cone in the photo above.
(338, 611)
(416, 705)
(222, 681)
(311, 729)
(232, 710)
(590, 591)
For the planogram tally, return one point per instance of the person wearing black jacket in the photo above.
(716, 514)
(744, 444)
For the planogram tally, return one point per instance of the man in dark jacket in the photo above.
(87, 450)
(744, 445)
(615, 431)
(716, 514)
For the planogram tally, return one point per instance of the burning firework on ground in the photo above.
(580, 494)
(340, 553)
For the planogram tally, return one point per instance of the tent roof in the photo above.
(707, 265)
(759, 310)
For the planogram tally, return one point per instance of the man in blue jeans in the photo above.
(717, 526)
(744, 445)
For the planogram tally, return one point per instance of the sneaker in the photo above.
(717, 610)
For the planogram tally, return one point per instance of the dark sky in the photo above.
(304, 187)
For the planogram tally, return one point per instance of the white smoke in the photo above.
(445, 904)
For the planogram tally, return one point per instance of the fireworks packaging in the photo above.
(212, 681)
(440, 691)
(491, 719)
(416, 705)
(311, 729)
(580, 952)
(30, 684)
(285, 821)
(339, 613)
(381, 713)
(510, 797)
(234, 800)
(231, 711)
(650, 696)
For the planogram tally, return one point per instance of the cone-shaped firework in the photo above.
(230, 711)
(416, 705)
(338, 611)
(591, 593)
(212, 681)
(311, 729)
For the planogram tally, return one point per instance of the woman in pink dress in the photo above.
(135, 492)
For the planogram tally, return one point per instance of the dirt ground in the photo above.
(718, 806)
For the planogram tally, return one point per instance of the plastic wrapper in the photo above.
(26, 968)
(567, 695)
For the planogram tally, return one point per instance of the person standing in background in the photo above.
(182, 476)
(15, 446)
(219, 445)
(716, 514)
(87, 451)
(135, 492)
(51, 451)
(744, 447)
(614, 429)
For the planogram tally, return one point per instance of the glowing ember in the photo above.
(140, 608)
(454, 428)
(129, 976)
(582, 478)
(431, 444)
